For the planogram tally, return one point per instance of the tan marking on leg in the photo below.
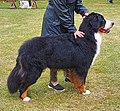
(24, 95)
(82, 89)
(79, 85)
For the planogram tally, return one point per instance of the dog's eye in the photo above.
(103, 22)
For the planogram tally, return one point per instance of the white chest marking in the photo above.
(98, 38)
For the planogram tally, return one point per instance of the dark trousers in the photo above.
(53, 75)
(29, 2)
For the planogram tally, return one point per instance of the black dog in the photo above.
(59, 52)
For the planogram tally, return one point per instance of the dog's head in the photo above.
(98, 23)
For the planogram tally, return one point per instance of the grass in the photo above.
(18, 25)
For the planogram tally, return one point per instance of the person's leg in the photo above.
(30, 3)
(66, 73)
(54, 82)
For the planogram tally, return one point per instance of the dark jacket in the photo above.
(59, 16)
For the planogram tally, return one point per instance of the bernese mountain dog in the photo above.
(75, 55)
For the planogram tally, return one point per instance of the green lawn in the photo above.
(103, 80)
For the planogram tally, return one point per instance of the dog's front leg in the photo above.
(79, 82)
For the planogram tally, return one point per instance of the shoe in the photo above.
(111, 1)
(67, 80)
(58, 87)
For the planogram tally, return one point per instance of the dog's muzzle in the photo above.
(108, 26)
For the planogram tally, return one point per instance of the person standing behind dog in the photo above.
(59, 19)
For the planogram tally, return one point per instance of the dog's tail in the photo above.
(13, 81)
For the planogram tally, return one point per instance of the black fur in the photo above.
(59, 52)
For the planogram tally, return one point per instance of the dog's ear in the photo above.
(95, 22)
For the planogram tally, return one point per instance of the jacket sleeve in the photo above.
(63, 13)
(80, 9)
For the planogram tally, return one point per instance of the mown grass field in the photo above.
(103, 80)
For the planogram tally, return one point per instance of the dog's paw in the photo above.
(87, 92)
(26, 99)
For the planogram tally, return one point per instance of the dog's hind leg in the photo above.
(32, 75)
(23, 92)
(78, 82)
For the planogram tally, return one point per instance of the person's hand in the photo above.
(86, 14)
(79, 34)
